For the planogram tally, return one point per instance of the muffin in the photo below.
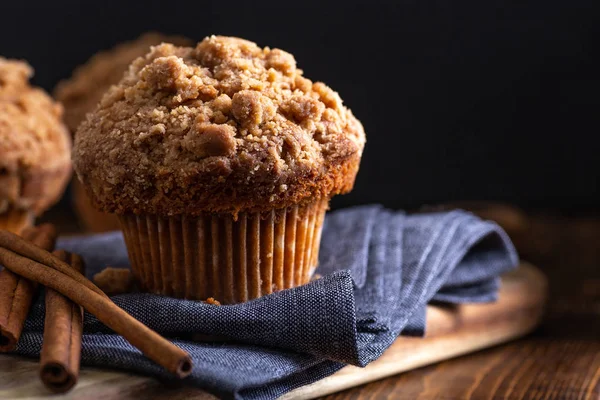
(81, 93)
(220, 161)
(35, 148)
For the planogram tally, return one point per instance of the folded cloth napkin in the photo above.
(380, 268)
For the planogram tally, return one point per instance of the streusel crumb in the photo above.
(81, 92)
(219, 127)
(212, 301)
(114, 281)
(35, 147)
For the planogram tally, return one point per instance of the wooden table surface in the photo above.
(561, 360)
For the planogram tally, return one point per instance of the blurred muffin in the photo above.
(220, 161)
(35, 148)
(82, 92)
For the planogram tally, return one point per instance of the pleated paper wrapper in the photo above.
(231, 260)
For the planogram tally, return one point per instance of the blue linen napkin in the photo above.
(380, 268)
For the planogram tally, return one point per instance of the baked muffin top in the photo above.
(31, 131)
(225, 126)
(35, 147)
(83, 90)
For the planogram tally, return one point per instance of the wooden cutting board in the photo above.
(452, 331)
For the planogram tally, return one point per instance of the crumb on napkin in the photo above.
(114, 281)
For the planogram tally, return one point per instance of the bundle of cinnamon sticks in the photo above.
(28, 263)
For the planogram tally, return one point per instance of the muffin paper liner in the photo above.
(16, 220)
(218, 256)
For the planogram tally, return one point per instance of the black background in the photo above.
(483, 100)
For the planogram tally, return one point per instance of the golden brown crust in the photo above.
(83, 90)
(35, 147)
(222, 127)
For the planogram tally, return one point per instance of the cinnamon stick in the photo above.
(16, 293)
(63, 328)
(154, 346)
(18, 245)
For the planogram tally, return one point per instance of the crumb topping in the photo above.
(224, 126)
(35, 147)
(212, 301)
(81, 92)
(31, 131)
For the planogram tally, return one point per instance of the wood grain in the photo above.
(452, 331)
(560, 360)
(525, 369)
